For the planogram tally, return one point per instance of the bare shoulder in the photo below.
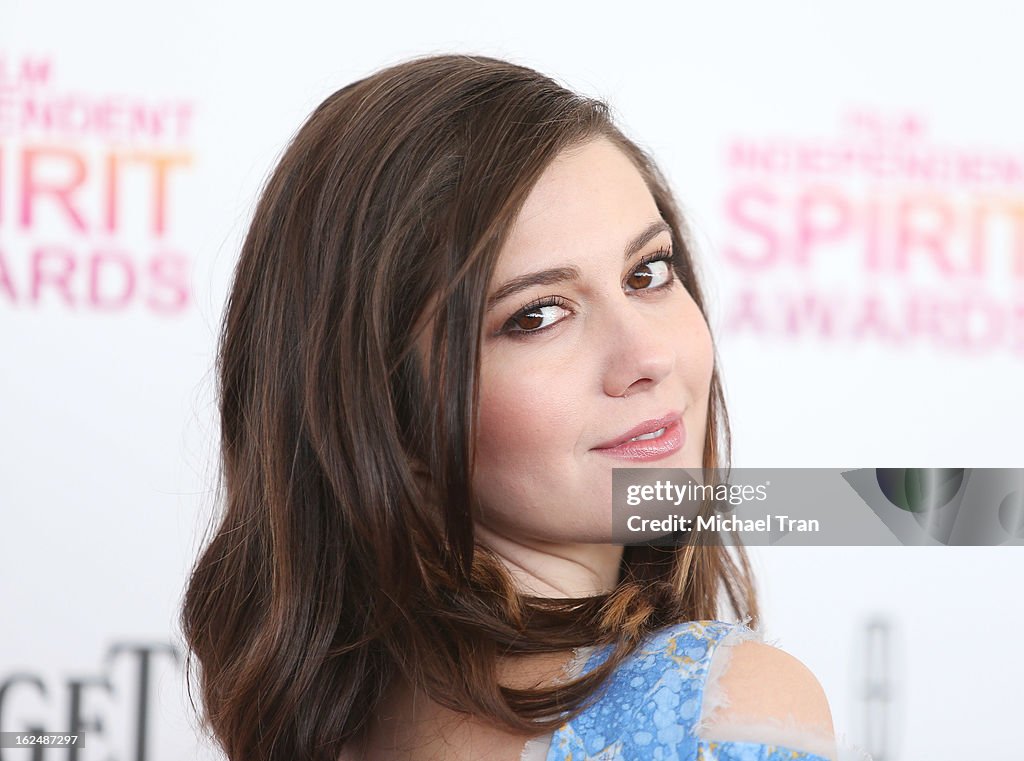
(759, 693)
(763, 681)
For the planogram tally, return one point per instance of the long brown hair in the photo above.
(345, 556)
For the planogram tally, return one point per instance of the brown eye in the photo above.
(536, 318)
(650, 275)
(530, 320)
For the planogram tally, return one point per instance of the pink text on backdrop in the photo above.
(771, 227)
(89, 185)
(870, 220)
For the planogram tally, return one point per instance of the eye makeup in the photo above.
(533, 309)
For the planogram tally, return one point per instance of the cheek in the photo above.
(695, 348)
(695, 363)
(527, 439)
(704, 359)
(525, 413)
(703, 372)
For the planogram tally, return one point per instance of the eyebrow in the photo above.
(570, 273)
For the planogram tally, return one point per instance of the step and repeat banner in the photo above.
(853, 178)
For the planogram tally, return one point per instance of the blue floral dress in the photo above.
(652, 705)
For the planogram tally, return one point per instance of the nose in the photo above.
(638, 347)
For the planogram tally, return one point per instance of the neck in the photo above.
(548, 569)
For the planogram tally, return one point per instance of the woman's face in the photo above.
(608, 344)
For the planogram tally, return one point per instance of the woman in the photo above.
(463, 294)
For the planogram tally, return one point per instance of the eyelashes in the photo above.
(533, 311)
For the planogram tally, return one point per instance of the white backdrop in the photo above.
(854, 178)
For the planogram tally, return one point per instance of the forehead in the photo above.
(590, 200)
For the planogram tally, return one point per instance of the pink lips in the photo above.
(648, 449)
